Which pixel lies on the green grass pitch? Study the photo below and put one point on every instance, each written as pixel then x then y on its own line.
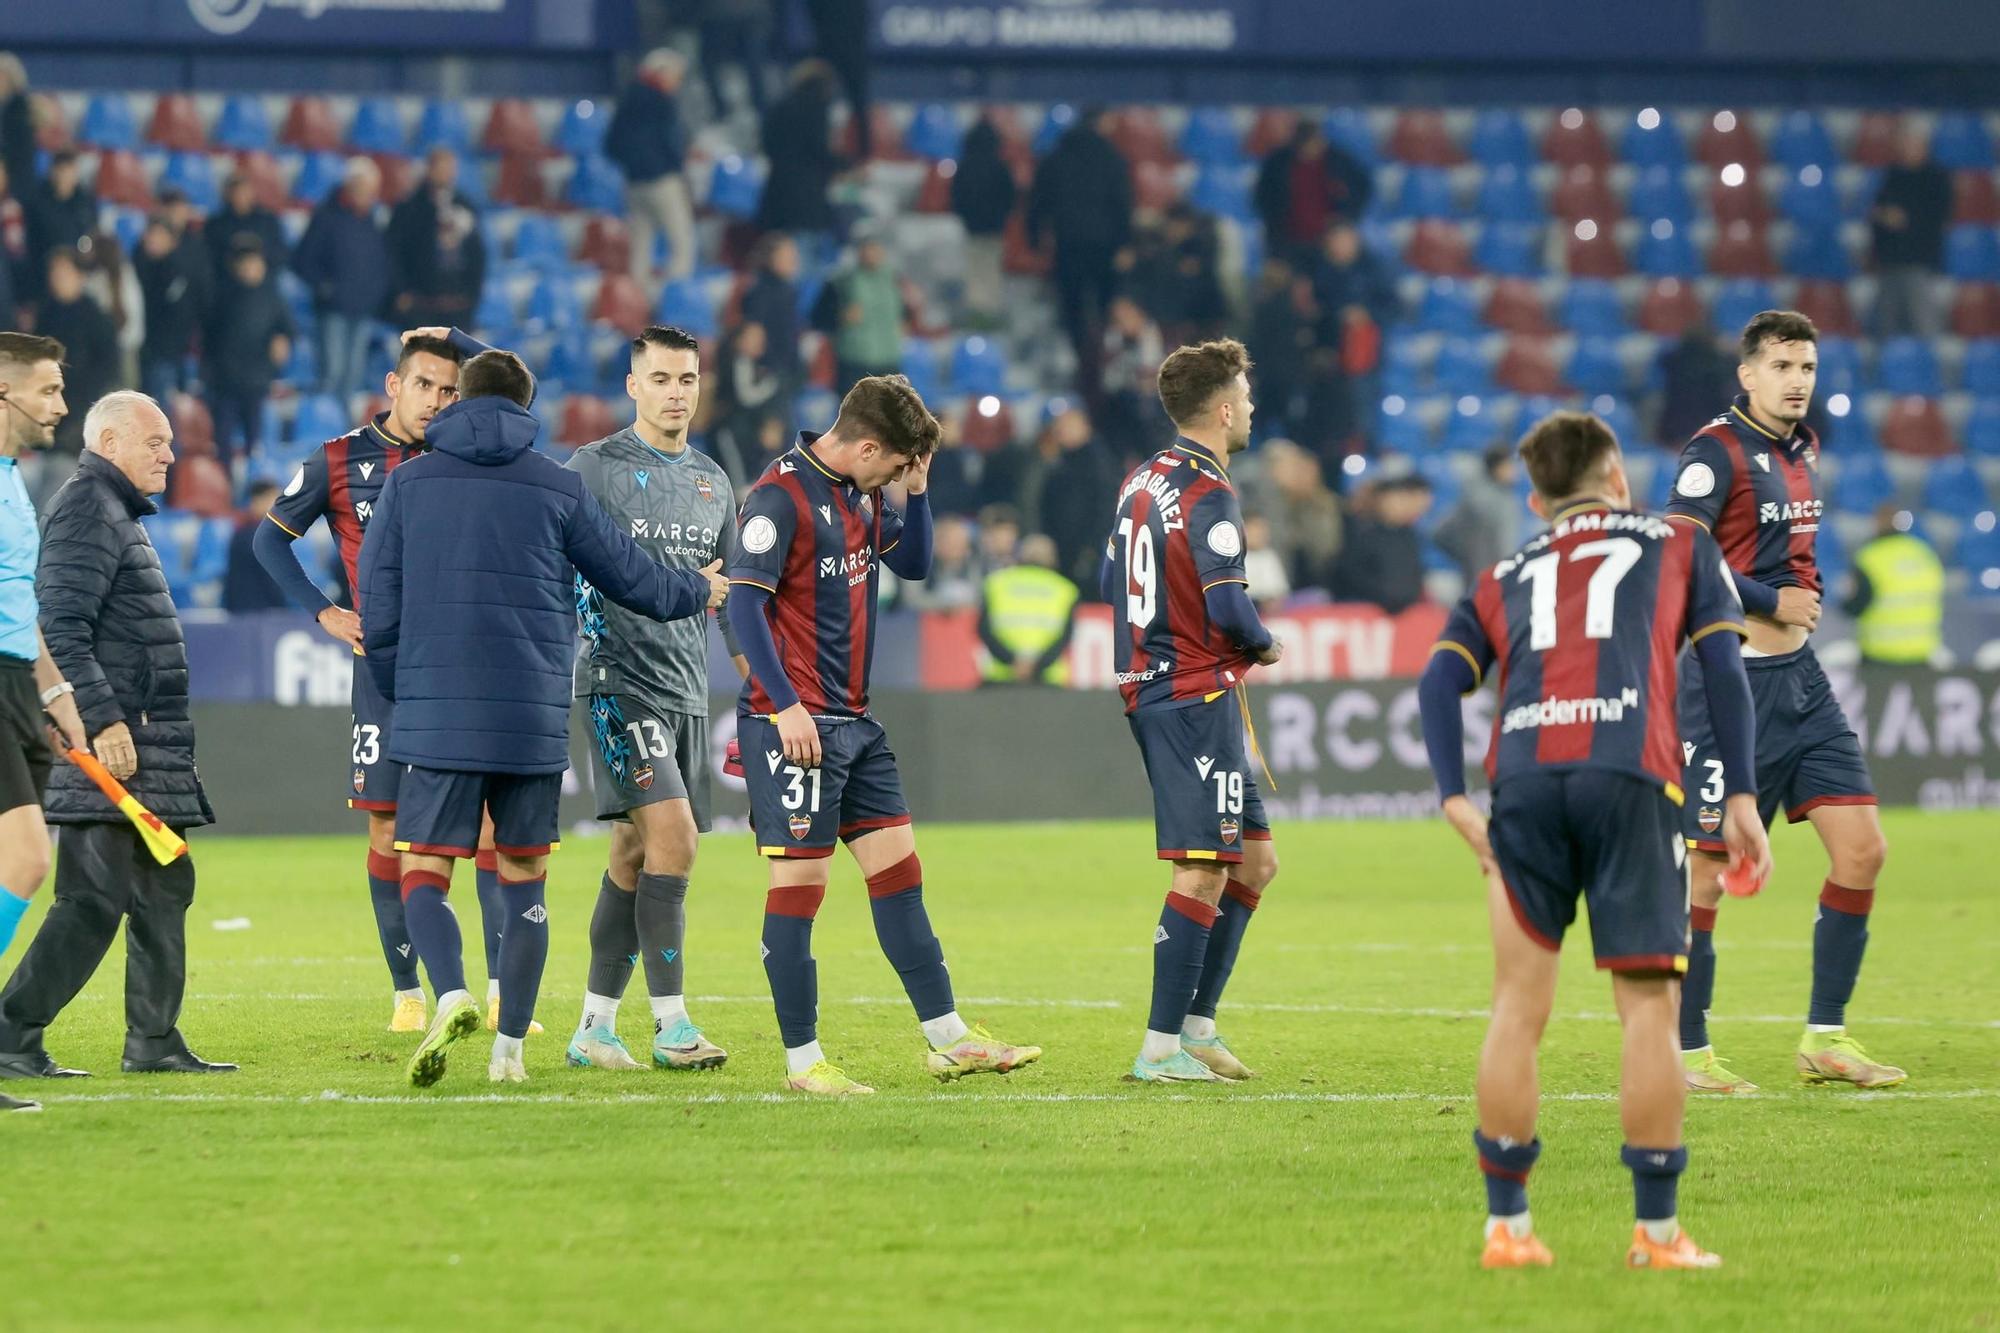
pixel 315 1190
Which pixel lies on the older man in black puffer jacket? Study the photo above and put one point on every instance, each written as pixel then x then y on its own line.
pixel 110 623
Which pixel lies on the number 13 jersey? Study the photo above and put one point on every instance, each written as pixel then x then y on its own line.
pixel 1179 533
pixel 1586 624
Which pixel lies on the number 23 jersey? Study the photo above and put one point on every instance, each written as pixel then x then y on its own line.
pixel 1586 624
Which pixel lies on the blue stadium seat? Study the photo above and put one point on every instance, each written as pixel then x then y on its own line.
pixel 377 127
pixel 581 131
pixel 1624 422
pixel 1666 250
pixel 1979 554
pixel 1470 433
pixel 1659 193
pixel 1802 140
pixel 244 125
pixel 472 184
pixel 303 366
pixel 1863 483
pixel 978 366
pixel 597 185
pixel 1437 469
pixel 1660 146
pixel 1225 192
pixel 173 533
pixel 107 122
pixel 1839 367
pixel 1851 435
pixel 1982 428
pixel 1981 372
pixel 1211 136
pixel 920 367
pixel 1596 368
pixel 1815 205
pixel 1953 486
pixel 1739 299
pixel 1348 127
pixel 319 175
pixel 1909 366
pixel 1055 124
pixel 538 240
pixel 1508 195
pixel 320 417
pixel 442 125
pixel 553 305
pixel 1425 193
pixel 493 320
pixel 1463 368
pixel 1817 252
pixel 1403 433
pixel 1589 307
pixel 211 559
pixel 194 174
pixel 685 303
pixel 934 132
pixel 1972 254
pixel 1448 307
pixel 570 366
pixel 1500 138
pixel 1404 366
pixel 128 224
pixel 1959 142
pixel 1509 249
pixel 735 187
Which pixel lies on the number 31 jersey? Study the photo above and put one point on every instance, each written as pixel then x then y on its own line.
pixel 1179 533
pixel 1586 624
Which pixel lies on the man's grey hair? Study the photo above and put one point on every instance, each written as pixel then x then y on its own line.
pixel 112 411
pixel 664 60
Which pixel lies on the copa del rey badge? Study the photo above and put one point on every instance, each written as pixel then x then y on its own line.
pixel 801 825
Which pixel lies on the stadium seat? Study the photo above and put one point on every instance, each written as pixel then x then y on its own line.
pixel 1624 422
pixel 979 366
pixel 493 319
pixel 442 125
pixel 1055 123
pixel 1349 128
pixel 1016 255
pixel 175 124
pixel 1727 137
pixel 1590 308
pixel 1659 193
pixel 193 173
pixel 607 243
pixel 1654 143
pixel 1515 306
pixel 1439 247
pixel 1666 250
pixel 309 126
pixel 377 127
pixel 1573 139
pixel 521 183
pixel 320 417
pixel 1403 433
pixel 581 130
pixel 1272 126
pixel 686 304
pixel 1225 192
pixel 1975 200
pixel 1737 300
pixel 596 184
pixel 1818 253
pixel 987 424
pixel 511 128
pixel 1464 433
pixel 1404 369
pixel 621 304
pixel 1979 555
pixel 1909 366
pixel 1980 373
pixel 1740 252
pixel 128 225
pixel 1839 366
pixel 1507 194
pixel 107 122
pixel 303 366
pixel 1669 307
pixel 552 305
pixel 1595 367
pixel 1499 138
pixel 1917 426
pixel 570 365
pixel 1509 249
pixel 1528 366
pixel 934 132
pixel 1421 138
pixel 1425 193
pixel 1583 192
pixel 585 417
pixel 121 180
pixel 194 427
pixel 1975 310
pixel 735 186
pixel 1810 198
pixel 920 367
pixel 1959 142
pixel 1742 202
pixel 1971 254
pixel 1462 367
pixel 538 241
pixel 1954 487
pixel 885 136
pixel 1982 428
pixel 319 175
pixel 1801 140
pixel 1593 254
pixel 1862 483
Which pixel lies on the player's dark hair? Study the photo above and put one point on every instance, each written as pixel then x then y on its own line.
pixel 664 336
pixel 497 374
pixel 1776 326
pixel 29 349
pixel 888 410
pixel 1564 451
pixel 1192 376
pixel 438 347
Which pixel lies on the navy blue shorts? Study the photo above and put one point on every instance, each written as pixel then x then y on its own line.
pixel 1807 755
pixel 1205 802
pixel 376 777
pixel 803 812
pixel 439 812
pixel 1612 839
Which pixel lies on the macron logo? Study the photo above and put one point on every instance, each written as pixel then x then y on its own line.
pixel 1764 461
pixel 1203 764
pixel 826 513
pixel 366 469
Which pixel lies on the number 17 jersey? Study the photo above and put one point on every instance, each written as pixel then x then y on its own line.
pixel 1586 623
pixel 1179 533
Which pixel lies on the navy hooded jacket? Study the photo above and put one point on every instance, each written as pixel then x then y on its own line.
pixel 468 580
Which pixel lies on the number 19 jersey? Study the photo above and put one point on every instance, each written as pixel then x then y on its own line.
pixel 1179 533
pixel 1586 624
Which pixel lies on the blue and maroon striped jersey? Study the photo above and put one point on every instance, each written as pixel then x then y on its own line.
pixel 809 536
pixel 1179 533
pixel 1758 496
pixel 342 480
pixel 1586 622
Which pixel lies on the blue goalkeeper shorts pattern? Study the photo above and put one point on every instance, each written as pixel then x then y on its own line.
pixel 439 812
pixel 1206 804
pixel 374 778
pixel 804 812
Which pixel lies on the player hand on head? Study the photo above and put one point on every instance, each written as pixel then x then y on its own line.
pixel 1797 606
pixel 718 586
pixel 342 624
pixel 1465 819
pixel 1269 655
pixel 438 331
pixel 1749 847
pixel 916 477
pixel 116 751
pixel 799 734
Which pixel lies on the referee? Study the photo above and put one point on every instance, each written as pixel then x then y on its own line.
pixel 31 387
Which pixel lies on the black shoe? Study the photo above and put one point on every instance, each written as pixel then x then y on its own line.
pixel 17 1104
pixel 35 1064
pixel 180 1062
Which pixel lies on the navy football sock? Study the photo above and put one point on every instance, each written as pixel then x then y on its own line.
pixel 1225 937
pixel 492 908
pixel 788 960
pixel 1656 1178
pixel 434 930
pixel 896 897
pixel 1698 986
pixel 662 925
pixel 1179 946
pixel 1505 1166
pixel 524 949
pixel 385 891
pixel 1840 937
pixel 614 940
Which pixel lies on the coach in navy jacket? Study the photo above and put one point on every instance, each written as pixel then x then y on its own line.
pixel 467 577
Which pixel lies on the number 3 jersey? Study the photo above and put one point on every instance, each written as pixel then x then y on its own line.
pixel 1586 624
pixel 1179 533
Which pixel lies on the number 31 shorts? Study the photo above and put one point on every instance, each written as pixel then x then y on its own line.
pixel 803 812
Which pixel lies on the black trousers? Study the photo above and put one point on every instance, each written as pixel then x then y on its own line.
pixel 104 874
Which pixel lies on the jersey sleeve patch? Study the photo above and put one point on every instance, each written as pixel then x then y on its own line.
pixel 1226 540
pixel 1696 481
pixel 760 534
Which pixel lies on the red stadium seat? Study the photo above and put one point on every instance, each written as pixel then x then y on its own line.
pixel 1515 306
pixel 176 125
pixel 309 125
pixel 1584 193
pixel 585 417
pixel 122 181
pixel 1974 198
pixel 1138 135
pixel 194 428
pixel 1421 138
pixel 1917 426
pixel 52 133
pixel 1975 311
pixel 1824 302
pixel 1729 137
pixel 1574 140
pixel 1669 307
pixel 1741 252
pixel 821 361
pixel 521 183
pixel 267 179
pixel 1016 255
pixel 1527 367
pixel 199 485
pixel 1595 255
pixel 511 128
pixel 607 243
pixel 986 433
pixel 1439 247
pixel 1877 139
pixel 622 304
pixel 885 136
pixel 1742 202
pixel 1155 187
pixel 934 195
pixel 1272 127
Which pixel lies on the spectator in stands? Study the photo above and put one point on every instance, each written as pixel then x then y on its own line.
pixel 1027 613
pixel 1283 482
pixel 70 315
pixel 841 30
pixel 436 250
pixel 1897 600
pixel 1000 537
pixel 1174 271
pixel 1357 300
pixel 1484 527
pixel 10 210
pixel 983 194
pixel 956 471
pixel 953 583
pixel 648 139
pixel 798 141
pixel 750 390
pixel 242 215
pixel 1283 328
pixel 1912 208
pixel 772 300
pixel 1079 486
pixel 1382 559
pixel 246 584
pixel 174 284
pixel 1696 373
pixel 1129 416
pixel 1082 200
pixel 1263 566
pixel 736 32
pixel 865 301
pixel 17 120
pixel 189 229
pixel 344 261
pixel 249 338
pixel 61 213
pixel 1303 185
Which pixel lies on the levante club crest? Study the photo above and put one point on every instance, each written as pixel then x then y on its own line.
pixel 1709 818
pixel 642 777
pixel 801 825
pixel 360 781
pixel 1230 828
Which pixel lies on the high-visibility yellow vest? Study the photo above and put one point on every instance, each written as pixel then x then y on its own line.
pixel 1028 607
pixel 1904 621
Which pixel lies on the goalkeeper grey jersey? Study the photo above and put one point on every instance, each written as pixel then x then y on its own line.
pixel 679 507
